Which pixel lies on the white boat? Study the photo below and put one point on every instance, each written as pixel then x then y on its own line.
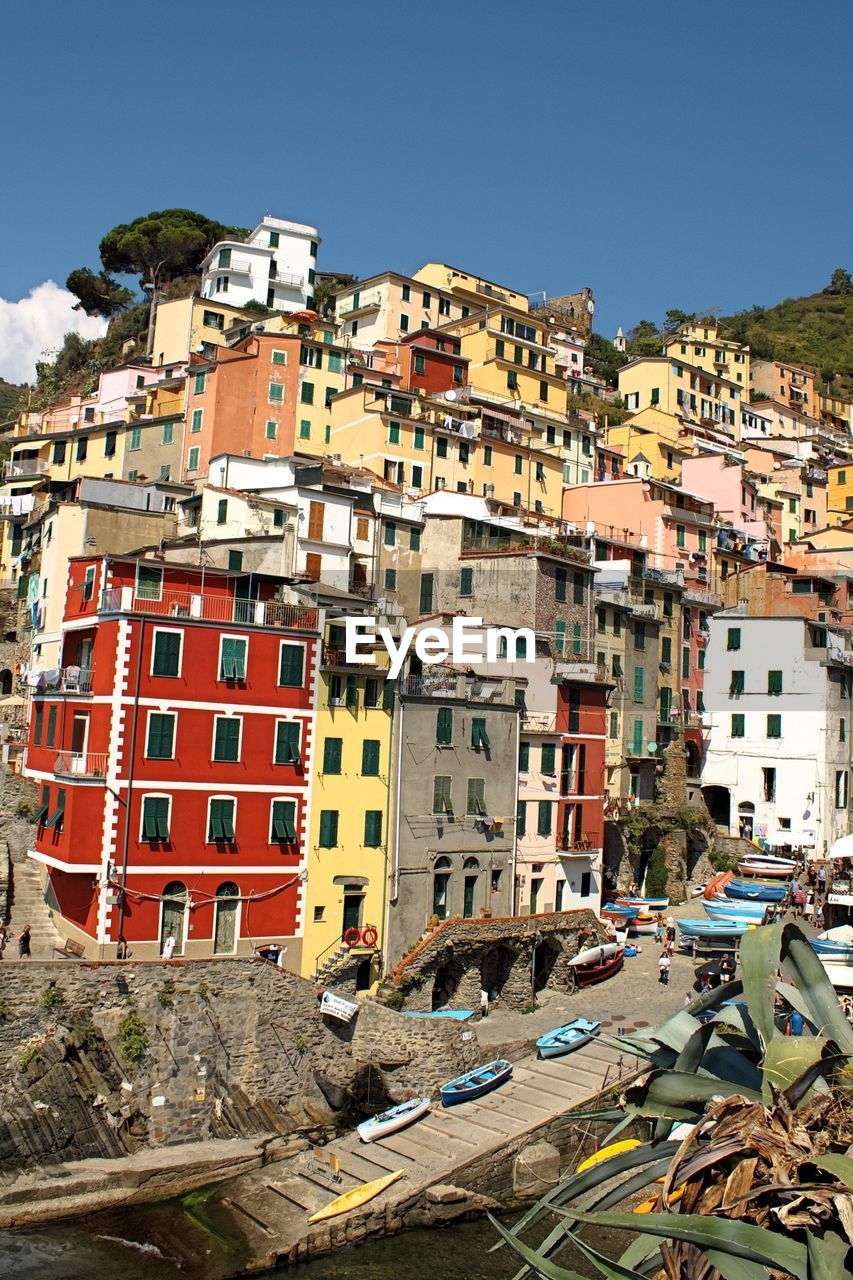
pixel 395 1118
pixel 769 860
pixel 594 955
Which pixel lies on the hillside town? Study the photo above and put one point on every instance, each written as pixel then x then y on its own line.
pixel 214 770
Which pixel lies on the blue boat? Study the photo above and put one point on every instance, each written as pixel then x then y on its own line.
pixel 740 889
pixel 712 928
pixel 623 909
pixel 564 1039
pixel 725 910
pixel 455 1015
pixel 475 1083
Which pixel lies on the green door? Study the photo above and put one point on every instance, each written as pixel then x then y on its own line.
pixel 426 593
pixel 441 881
pixel 352 911
pixel 468 898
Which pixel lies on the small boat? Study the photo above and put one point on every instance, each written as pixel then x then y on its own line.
pixel 607 1153
pixel 766 872
pixel 564 1039
pixel 717 884
pixel 730 909
pixel 595 955
pixel 643 926
pixel 770 859
pixel 358 1196
pixel 738 889
pixel 623 909
pixel 835 946
pixel 645 904
pixel 393 1119
pixel 475 1083
pixel 712 928
pixel 586 975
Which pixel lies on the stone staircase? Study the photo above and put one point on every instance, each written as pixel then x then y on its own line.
pixel 29 907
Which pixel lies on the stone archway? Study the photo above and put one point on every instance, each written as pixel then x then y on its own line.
pixel 5 682
pixel 545 958
pixel 719 804
pixel 446 983
pixel 495 968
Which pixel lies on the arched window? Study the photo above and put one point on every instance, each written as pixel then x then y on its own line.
pixel 471 864
pixel 226 922
pixel 441 888
pixel 173 914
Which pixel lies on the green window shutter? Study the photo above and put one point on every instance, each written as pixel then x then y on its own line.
pixel 393 433
pixel 419 437
pixel 226 744
pixel 737 682
pixel 155 818
pixel 666 649
pixel 549 757
pixel 370 758
pixel 51 726
pixel 685 664
pixel 332 750
pixel 774 726
pixel 38 719
pixel 637 742
pixel 476 806
pixel 388 695
pixel 232 662
pixel 479 733
pixel 543 826
pixel 466 582
pixel 578 588
pixel 56 818
pixel 198 385
pixel 441 800
pixel 639 682
pixel 287 739
pixel 44 808
pixel 444 727
pixel 328 828
pixel 414 539
pixel 307 393
pixel 576 639
pixel 524 757
pixel 733 639
pixel 167 653
pixel 373 828
pixel 284 820
pixel 521 818
pixel 561 579
pixel 774 681
pixel 222 511
pixel 351 695
pixel 560 631
pixel 738 723
pixel 161 731
pixel 221 824
pixel 291 665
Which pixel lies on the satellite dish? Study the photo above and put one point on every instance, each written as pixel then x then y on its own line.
pixel 450 395
pixel 652 747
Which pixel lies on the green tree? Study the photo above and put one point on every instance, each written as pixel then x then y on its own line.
pixel 97 294
pixel 644 339
pixel 603 358
pixel 675 319
pixel 840 282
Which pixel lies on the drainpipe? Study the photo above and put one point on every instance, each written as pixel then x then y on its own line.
pixel 514 864
pixel 126 838
pixel 384 936
pixel 395 888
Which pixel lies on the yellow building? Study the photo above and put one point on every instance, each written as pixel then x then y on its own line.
pixel 699 344
pixel 839 499
pixel 183 324
pixel 652 444
pixel 835 411
pixel 347 864
pixel 472 290
pixel 675 386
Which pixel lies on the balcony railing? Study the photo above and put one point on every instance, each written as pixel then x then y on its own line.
pixel 364 302
pixel 25 467
pixel 582 845
pixel 454 685
pixel 381 659
pixel 81 764
pixel 208 608
pixel 547 546
pixel 239 266
pixel 287 278
pixel 538 722
pixel 62 680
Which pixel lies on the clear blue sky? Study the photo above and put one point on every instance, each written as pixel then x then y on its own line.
pixel 666 154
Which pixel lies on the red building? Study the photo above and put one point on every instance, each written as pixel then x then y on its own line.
pixel 173 751
pixel 582 723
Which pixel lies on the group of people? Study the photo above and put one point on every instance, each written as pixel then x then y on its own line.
pixel 665 933
pixel 24 940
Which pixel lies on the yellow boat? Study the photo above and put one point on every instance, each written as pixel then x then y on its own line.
pixel 358 1196
pixel 615 1149
pixel 648 1205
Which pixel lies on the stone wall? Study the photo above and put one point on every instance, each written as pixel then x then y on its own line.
pixel 512 956
pixel 235 1048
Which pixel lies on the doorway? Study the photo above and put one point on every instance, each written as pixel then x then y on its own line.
pixel 174 914
pixel 226 919
pixel 471 867
pixel 441 888
pixel 79 740
pixel 353 904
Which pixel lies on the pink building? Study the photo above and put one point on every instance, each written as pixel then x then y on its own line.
pixel 733 493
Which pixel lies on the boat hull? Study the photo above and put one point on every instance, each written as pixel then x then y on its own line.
pixel 474 1084
pixel 593 955
pixel 589 975
pixel 738 891
pixel 395 1118
pixel 358 1196
pixel 563 1040
pixel 765 873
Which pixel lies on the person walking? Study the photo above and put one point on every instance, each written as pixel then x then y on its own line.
pixel 663 969
pixel 123 951
pixel 799 899
pixel 168 945
pixel 24 943
pixel 659 927
pixel 670 932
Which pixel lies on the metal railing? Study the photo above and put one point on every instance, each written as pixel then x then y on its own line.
pixel 453 685
pixel 337 950
pixel 209 608
pixel 62 680
pixel 287 278
pixel 548 546
pixel 26 467
pixel 381 659
pixel 539 722
pixel 81 764
pixel 568 844
pixel 241 266
pixel 362 303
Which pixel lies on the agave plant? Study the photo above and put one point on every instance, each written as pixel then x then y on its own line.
pixel 748 1172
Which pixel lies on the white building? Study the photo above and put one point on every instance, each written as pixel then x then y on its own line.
pixel 275 267
pixel 778 712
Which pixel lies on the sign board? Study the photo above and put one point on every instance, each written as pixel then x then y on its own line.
pixel 335 1007
pixel 840 899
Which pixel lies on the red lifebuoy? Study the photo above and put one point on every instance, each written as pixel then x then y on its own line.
pixel 352 937
pixel 369 936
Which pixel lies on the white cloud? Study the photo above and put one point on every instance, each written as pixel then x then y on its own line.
pixel 36 324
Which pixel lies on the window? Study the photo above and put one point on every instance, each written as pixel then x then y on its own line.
pixel 733 639
pixel 560 637
pixel 680 535
pixel 841 783
pixel 235 561
pixel 543 391
pixel 404 323
pixel 736 684
pixel 639 682
pixel 50 740
pixel 373 828
pixel 276 393
pixel 521 818
pixel 441 798
pixel 774 681
pixel 544 822
pixel 842 730
pixel 427 298
pixel 220 819
pixel 639 635
pixel 549 758
pixel 420 364
pixel 271 429
pixel 226 738
pixel 287 742
pixel 199 383
pixel 414 539
pixel 419 437
pixel 135 438
pixel 479 733
pixel 524 757
pixel 614 724
pixel 426 593
pixel 390 534
pixel 466 582
pixel 774 726
pixel 444 727
pixel 769 781
pixel 38 718
pixel 370 758
pixel 390 579
pixel 88 580
pixel 59 450
pixel 578 582
pixel 222 511
pixel 291 664
pixel 561 578
pixel 665 649
pixel 166 653
pixel 282 822
pixel 516 498
pixel 306 393
pixel 155 818
pixel 685 663
pixel 393 433
pixel 540 472
pixel 406 292
pixel 328 828
pixel 195 422
pixel 476 800
pixel 738 723
pixel 519 464
pixel 160 740
pixel 192 458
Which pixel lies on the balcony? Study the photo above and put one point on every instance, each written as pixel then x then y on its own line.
pixel 25 468
pixel 538 722
pixel 522 545
pixel 337 658
pixel 208 608
pixel 651 611
pixel 81 764
pixel 237 266
pixel 287 279
pixel 450 684
pixel 71 680
pixel 582 847
pixel 359 303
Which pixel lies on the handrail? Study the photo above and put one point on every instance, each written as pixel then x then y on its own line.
pixel 338 943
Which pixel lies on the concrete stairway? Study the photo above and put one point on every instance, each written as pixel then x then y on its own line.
pixel 273 1204
pixel 29 907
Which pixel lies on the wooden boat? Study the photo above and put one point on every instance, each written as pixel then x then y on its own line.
pixel 358 1196
pixel 712 928
pixel 643 926
pixel 586 975
pixel 835 946
pixel 717 883
pixel 564 1039
pixel 393 1119
pixel 475 1083
pixel 739 890
pixel 732 909
pixel 594 955
pixel 623 909
pixel 768 872
pixel 645 904
pixel 606 1153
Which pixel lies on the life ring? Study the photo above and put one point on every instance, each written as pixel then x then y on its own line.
pixel 352 937
pixel 369 936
